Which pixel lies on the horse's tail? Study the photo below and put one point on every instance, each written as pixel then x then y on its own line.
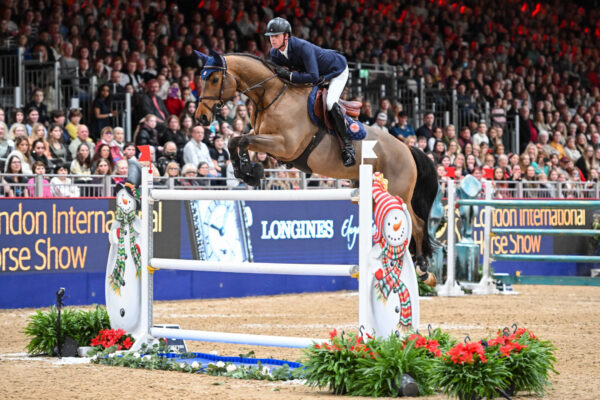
pixel 426 189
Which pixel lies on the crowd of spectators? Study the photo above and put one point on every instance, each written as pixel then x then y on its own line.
pixel 536 60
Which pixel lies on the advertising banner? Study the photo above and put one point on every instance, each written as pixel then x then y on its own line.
pixel 46 244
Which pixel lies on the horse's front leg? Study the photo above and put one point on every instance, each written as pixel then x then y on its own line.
pixel 234 155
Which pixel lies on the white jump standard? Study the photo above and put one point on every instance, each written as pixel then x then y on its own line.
pixel 146 333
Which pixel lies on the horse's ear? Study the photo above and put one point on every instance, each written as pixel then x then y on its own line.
pixel 202 56
pixel 219 59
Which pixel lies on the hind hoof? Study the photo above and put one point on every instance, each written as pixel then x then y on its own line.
pixel 427 277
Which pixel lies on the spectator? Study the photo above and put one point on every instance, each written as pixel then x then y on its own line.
pixel 120 171
pixel 189 174
pixel 571 150
pixel 16 181
pixel 172 170
pixel 102 153
pixel 6 145
pixel 74 120
pixel 39 168
pixel 129 151
pixel 169 155
pixel 62 185
pixel 366 113
pixel 173 103
pixel 381 122
pixel 556 143
pixel 402 129
pixel 33 116
pixel 81 164
pixel 22 151
pixel 38 153
pixel 196 151
pixel 427 128
pixel 204 172
pixel 172 133
pixel 103 111
pixel 81 138
pixel 220 158
pixel 17 117
pixel 152 104
pixel 57 117
pixel 146 133
pixel 119 138
pixel 37 103
pixel 527 130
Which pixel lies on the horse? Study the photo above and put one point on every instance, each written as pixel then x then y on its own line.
pixel 282 128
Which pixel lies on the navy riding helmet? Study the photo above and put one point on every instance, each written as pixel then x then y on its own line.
pixel 278 25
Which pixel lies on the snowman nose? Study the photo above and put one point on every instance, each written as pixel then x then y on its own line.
pixel 125 201
pixel 397 226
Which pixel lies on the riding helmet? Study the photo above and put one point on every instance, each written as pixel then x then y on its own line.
pixel 278 25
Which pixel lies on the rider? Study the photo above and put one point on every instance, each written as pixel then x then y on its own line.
pixel 312 64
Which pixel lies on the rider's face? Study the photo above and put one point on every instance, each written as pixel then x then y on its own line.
pixel 277 40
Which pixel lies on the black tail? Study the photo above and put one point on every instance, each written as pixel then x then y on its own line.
pixel 425 191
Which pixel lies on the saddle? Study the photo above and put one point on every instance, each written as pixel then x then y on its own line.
pixel 350 108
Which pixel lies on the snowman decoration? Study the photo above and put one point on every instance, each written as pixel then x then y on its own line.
pixel 394 287
pixel 124 267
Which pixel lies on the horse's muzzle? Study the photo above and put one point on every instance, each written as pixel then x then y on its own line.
pixel 204 121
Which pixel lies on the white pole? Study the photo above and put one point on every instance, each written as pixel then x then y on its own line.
pixel 365 224
pixel 146 306
pixel 450 288
pixel 239 338
pixel 253 195
pixel 253 267
pixel 486 285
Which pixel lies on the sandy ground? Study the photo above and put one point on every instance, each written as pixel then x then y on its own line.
pixel 569 316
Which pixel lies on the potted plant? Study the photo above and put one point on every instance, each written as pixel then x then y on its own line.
pixel 82 326
pixel 470 371
pixel 529 360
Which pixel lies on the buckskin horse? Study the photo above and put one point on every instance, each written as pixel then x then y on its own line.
pixel 283 129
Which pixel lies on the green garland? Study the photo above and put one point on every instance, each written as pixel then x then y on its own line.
pixel 116 277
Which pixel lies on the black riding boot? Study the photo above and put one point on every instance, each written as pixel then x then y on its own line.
pixel 348 157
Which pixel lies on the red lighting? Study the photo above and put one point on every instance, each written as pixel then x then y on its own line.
pixel 524 7
pixel 462 9
pixel 402 16
pixel 537 9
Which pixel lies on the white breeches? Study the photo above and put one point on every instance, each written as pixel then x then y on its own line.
pixel 336 87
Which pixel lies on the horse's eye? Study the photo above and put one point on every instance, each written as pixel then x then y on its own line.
pixel 215 80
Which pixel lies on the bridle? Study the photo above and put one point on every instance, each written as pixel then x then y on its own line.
pixel 220 101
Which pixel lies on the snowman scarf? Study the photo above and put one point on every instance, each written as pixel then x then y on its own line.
pixel 388 280
pixel 116 278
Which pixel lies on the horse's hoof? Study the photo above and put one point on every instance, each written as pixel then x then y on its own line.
pixel 258 171
pixel 427 277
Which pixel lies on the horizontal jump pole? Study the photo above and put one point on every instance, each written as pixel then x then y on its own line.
pixel 547 257
pixel 254 195
pixel 237 338
pixel 531 203
pixel 548 232
pixel 254 268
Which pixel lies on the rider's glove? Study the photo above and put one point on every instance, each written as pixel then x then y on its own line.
pixel 283 73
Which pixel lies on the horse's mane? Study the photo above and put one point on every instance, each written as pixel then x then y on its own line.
pixel 267 63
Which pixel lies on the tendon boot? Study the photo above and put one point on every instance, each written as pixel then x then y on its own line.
pixel 339 121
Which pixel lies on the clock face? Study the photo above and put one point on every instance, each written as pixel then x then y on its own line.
pixel 223 236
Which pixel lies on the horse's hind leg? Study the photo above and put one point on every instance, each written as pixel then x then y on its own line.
pixel 418 232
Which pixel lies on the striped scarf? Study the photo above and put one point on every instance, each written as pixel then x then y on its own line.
pixel 116 277
pixel 390 281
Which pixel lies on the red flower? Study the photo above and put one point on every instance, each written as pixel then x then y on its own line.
pixel 332 334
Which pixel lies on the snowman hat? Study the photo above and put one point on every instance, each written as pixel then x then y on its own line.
pixel 384 203
pixel 129 188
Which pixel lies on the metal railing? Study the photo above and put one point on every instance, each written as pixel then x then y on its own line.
pixel 278 179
